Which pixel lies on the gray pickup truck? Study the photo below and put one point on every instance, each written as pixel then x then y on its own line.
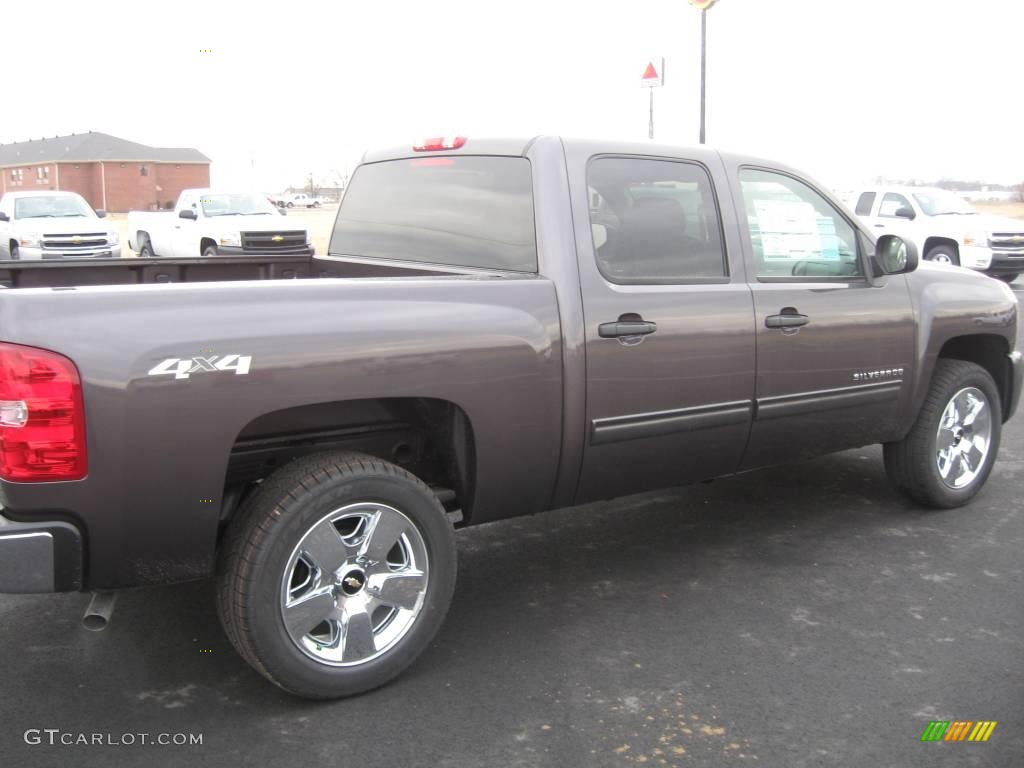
pixel 499 328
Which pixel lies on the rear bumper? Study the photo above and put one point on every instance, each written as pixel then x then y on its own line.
pixel 39 557
pixel 1016 378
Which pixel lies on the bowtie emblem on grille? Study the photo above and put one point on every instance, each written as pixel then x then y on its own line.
pixel 277 238
pixel 76 239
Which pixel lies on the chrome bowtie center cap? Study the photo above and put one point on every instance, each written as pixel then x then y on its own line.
pixel 352 582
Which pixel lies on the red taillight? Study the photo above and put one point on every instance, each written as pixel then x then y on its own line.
pixel 439 143
pixel 42 418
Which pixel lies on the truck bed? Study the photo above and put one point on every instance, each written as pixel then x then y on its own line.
pixel 128 270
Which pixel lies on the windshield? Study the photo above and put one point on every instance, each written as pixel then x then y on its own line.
pixel 939 202
pixel 237 204
pixel 51 206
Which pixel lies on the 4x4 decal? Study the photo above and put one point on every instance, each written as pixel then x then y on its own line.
pixel 182 368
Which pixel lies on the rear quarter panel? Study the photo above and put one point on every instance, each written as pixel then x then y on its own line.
pixel 159 446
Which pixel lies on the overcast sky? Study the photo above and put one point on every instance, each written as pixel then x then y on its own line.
pixel 845 89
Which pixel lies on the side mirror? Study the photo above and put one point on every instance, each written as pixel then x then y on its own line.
pixel 895 256
pixel 4 216
pixel 905 213
pixel 101 213
pixel 187 213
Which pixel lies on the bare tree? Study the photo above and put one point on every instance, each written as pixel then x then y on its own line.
pixel 1020 192
pixel 312 186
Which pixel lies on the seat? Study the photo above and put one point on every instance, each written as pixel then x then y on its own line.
pixel 655 245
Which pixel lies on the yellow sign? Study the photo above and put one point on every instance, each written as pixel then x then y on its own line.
pixel 702 4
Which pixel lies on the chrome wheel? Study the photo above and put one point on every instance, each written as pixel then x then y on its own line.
pixel 355 584
pixel 963 438
pixel 942 258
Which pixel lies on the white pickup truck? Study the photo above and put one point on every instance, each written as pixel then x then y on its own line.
pixel 301 200
pixel 54 225
pixel 945 228
pixel 208 222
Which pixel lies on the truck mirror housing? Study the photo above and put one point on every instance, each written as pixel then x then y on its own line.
pixel 187 213
pixel 101 213
pixel 4 216
pixel 895 256
pixel 906 213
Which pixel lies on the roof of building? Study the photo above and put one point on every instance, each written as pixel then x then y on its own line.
pixel 91 147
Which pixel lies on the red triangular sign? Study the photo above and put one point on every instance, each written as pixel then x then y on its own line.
pixel 650 73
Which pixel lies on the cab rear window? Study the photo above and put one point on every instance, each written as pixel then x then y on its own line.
pixel 466 211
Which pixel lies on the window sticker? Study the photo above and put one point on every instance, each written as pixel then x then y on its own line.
pixel 792 230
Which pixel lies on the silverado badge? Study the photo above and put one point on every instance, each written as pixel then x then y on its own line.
pixel 883 373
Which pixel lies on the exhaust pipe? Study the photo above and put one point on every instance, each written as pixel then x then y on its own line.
pixel 97 615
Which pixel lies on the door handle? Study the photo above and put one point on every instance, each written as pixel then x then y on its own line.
pixel 788 318
pixel 625 328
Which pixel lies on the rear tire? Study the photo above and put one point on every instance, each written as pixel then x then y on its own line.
pixel 210 251
pixel 947 456
pixel 15 252
pixel 309 542
pixel 943 254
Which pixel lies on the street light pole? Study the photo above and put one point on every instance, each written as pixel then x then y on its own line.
pixel 703 6
pixel 703 68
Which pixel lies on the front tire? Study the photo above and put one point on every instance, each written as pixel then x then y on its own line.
pixel 15 252
pixel 145 248
pixel 943 254
pixel 209 251
pixel 336 574
pixel 947 456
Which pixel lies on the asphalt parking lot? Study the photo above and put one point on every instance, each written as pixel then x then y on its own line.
pixel 799 616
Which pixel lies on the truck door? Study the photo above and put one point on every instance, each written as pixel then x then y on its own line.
pixel 835 348
pixel 887 222
pixel 6 227
pixel 669 336
pixel 184 232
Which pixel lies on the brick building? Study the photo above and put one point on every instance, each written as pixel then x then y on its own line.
pixel 111 173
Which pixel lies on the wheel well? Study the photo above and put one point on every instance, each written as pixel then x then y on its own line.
pixel 988 351
pixel 205 243
pixel 431 438
pixel 931 242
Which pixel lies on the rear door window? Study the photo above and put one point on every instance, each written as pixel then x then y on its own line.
pixel 465 211
pixel 654 221
pixel 864 203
